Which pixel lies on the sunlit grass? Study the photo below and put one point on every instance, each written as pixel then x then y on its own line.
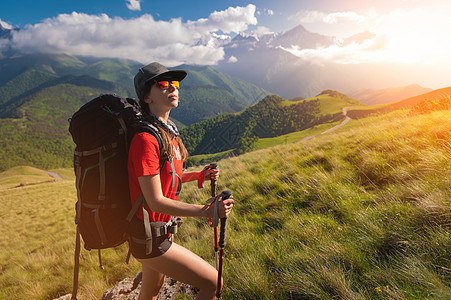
pixel 362 213
pixel 293 137
pixel 38 242
pixel 22 176
pixel 350 215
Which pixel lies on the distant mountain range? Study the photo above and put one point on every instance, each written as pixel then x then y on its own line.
pixel 270 61
pixel 206 92
pixel 40 92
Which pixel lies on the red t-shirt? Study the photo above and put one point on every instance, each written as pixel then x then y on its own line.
pixel 143 160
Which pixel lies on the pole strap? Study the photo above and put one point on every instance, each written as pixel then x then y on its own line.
pixel 215 221
pixel 201 178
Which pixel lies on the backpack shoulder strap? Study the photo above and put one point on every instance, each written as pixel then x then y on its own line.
pixel 155 131
pixel 152 129
pixel 145 126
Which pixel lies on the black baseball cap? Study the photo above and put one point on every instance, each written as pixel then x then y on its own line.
pixel 153 71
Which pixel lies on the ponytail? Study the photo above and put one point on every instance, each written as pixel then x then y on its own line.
pixel 168 150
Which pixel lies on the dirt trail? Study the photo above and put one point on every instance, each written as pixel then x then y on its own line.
pixel 346 120
pixel 54 175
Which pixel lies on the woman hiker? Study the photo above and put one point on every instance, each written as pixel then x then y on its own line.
pixel 157 90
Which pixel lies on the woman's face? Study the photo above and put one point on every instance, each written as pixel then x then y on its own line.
pixel 161 97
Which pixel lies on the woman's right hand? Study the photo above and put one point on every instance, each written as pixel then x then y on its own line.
pixel 224 207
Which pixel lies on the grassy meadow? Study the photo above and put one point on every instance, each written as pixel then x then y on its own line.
pixel 360 213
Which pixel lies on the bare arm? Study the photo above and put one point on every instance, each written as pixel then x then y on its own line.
pixel 151 188
pixel 191 176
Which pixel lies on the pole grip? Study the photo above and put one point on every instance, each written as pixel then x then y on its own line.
pixel 224 195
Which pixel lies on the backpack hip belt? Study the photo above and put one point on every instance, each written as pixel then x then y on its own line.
pixel 159 230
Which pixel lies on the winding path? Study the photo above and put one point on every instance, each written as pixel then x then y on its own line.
pixel 346 120
pixel 54 175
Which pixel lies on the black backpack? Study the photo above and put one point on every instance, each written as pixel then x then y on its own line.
pixel 102 130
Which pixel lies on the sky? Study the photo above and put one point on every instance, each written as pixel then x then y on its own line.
pixel 411 32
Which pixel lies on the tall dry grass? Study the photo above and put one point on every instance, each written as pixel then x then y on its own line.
pixel 363 213
pixel 37 246
pixel 360 214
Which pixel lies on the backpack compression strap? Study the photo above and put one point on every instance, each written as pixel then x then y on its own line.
pixel 78 170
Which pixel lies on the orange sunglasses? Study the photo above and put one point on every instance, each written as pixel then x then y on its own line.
pixel 164 84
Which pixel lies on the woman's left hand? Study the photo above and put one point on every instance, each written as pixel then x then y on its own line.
pixel 212 174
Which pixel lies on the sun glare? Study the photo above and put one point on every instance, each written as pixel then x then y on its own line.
pixel 416 36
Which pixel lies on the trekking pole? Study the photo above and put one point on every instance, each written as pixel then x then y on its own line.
pixel 213 166
pixel 224 195
pixel 215 228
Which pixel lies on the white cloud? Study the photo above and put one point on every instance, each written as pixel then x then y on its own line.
pixel 314 16
pixel 233 19
pixel 262 30
pixel 266 11
pixel 138 39
pixel 342 24
pixel 337 17
pixel 369 51
pixel 232 59
pixel 5 25
pixel 133 4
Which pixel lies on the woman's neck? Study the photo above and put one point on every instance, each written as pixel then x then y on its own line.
pixel 162 115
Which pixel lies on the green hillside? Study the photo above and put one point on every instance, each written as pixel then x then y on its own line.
pixel 22 84
pixel 331 102
pixel 201 103
pixel 25 75
pixel 36 105
pixel 23 176
pixel 40 137
pixel 363 213
pixel 271 117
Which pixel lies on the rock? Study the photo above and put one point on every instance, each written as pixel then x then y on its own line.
pixel 128 289
pixel 65 297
